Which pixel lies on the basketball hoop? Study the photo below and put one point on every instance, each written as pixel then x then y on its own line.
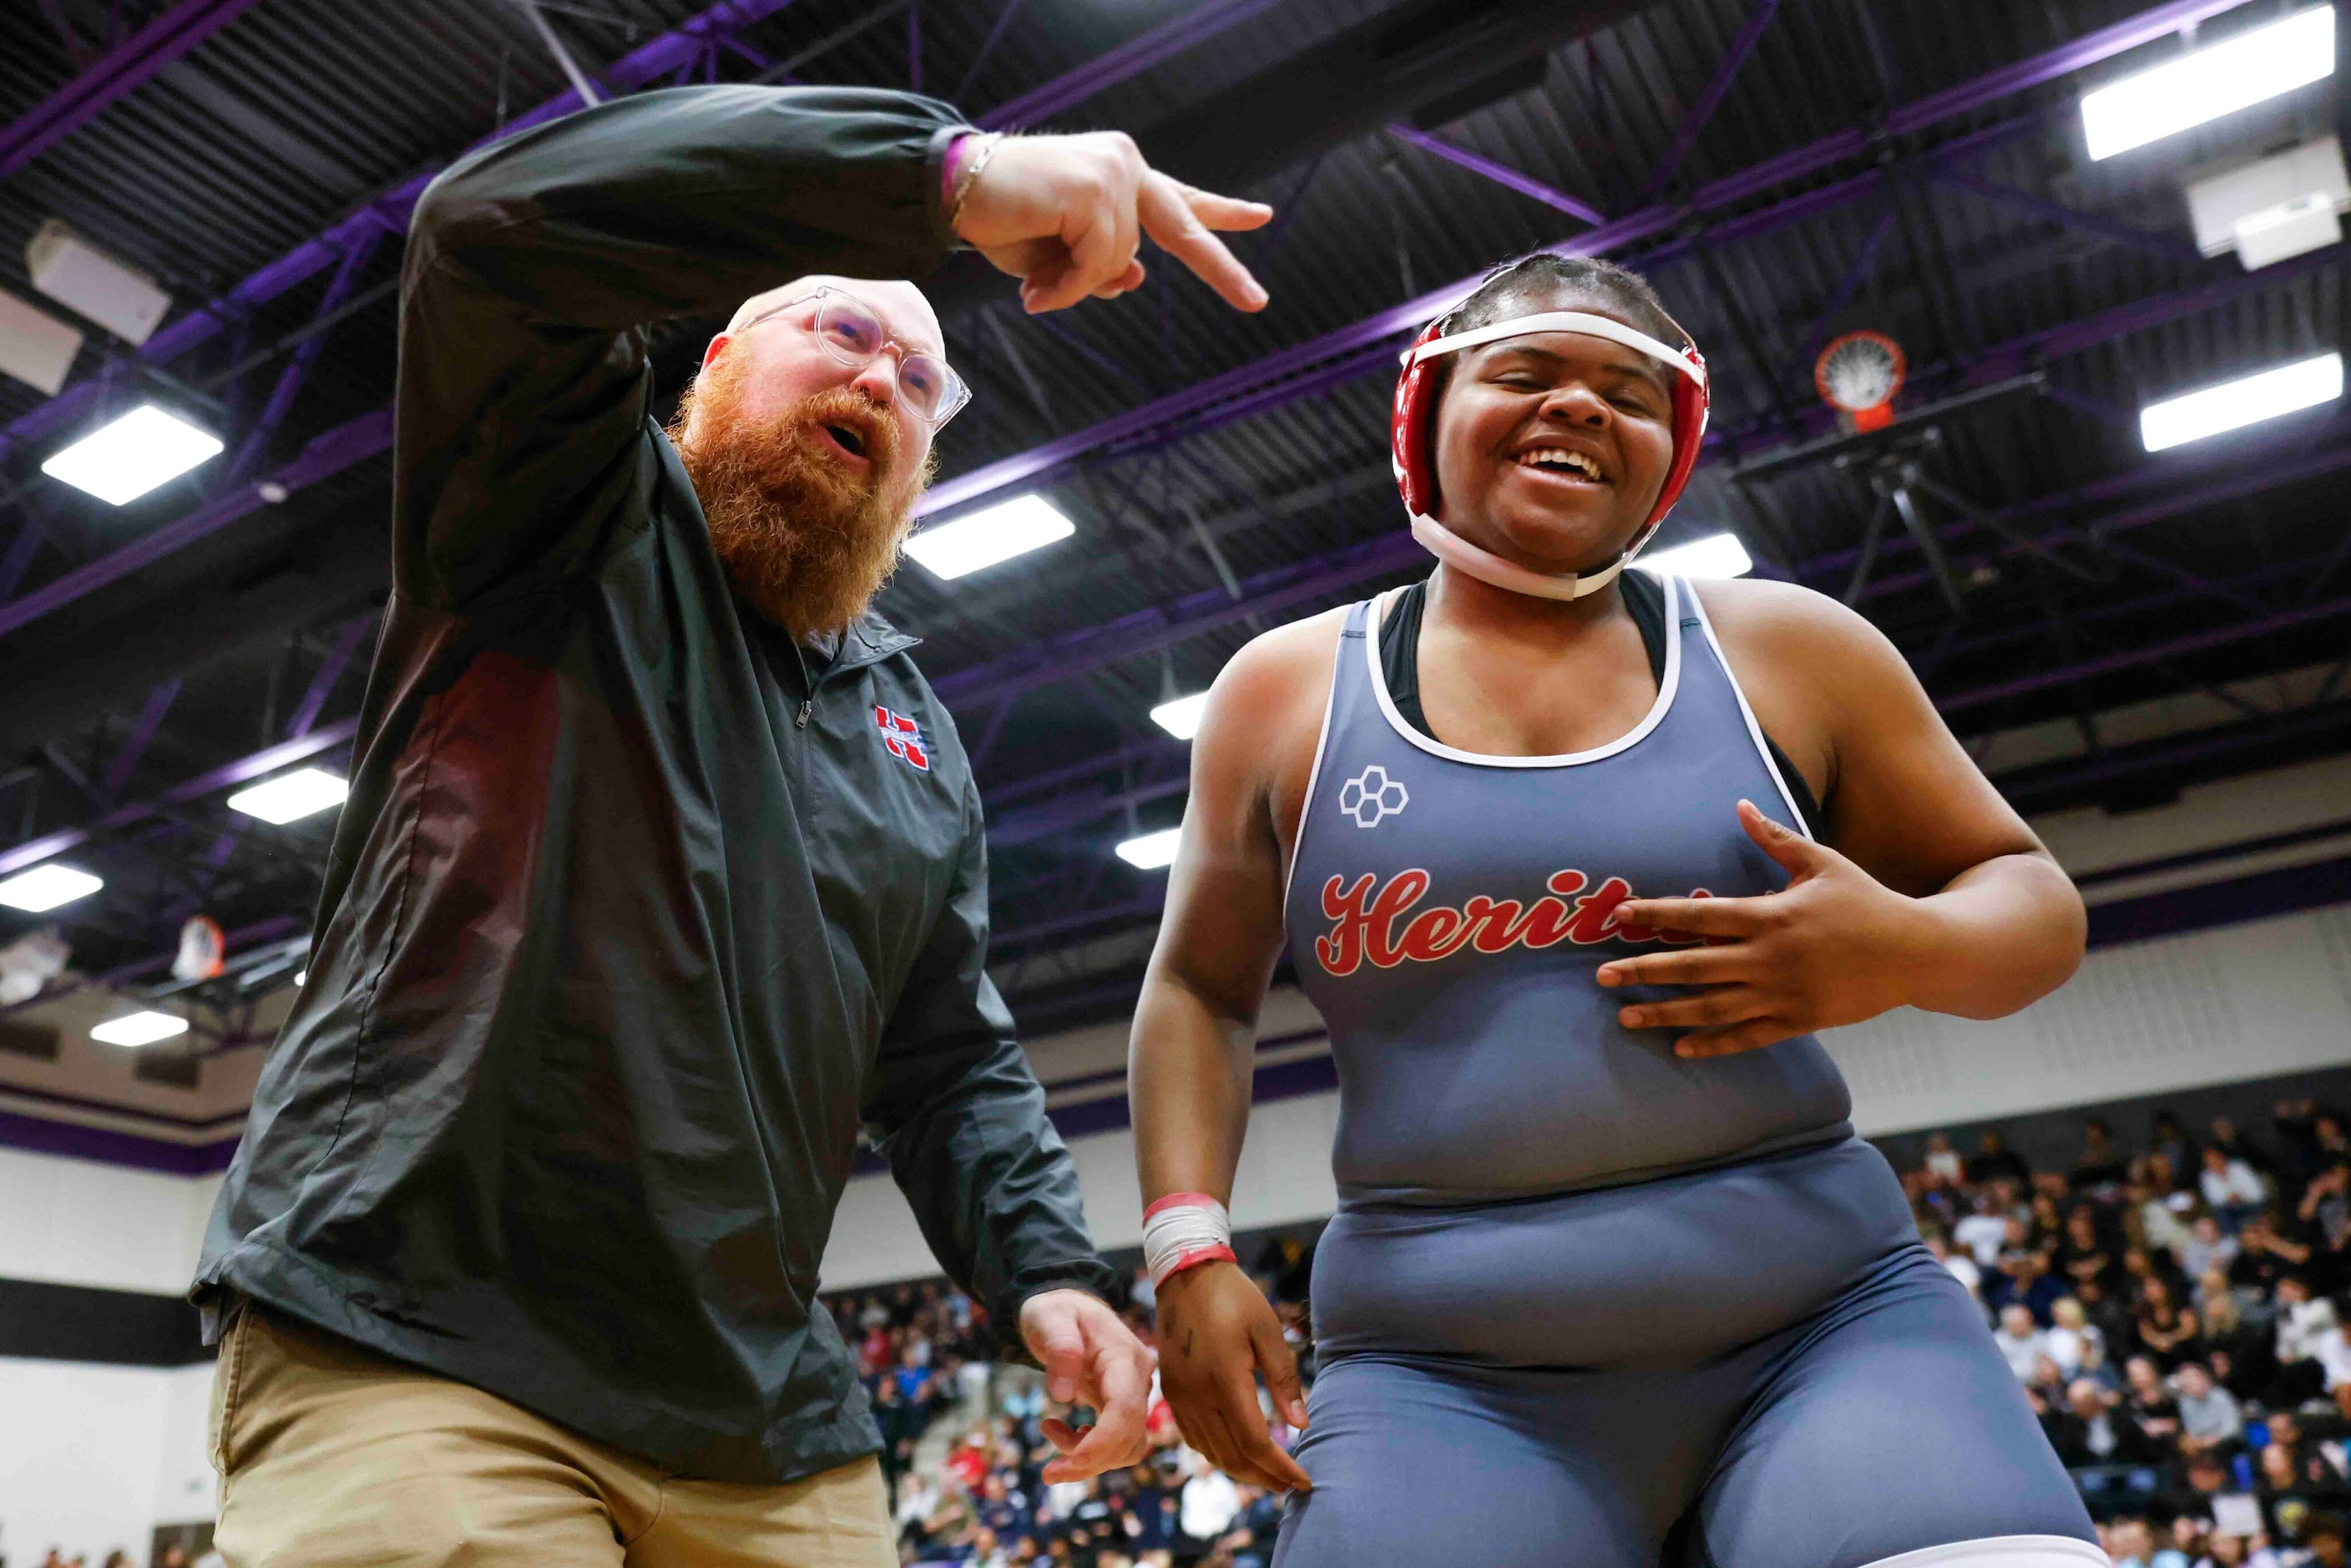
pixel 203 949
pixel 1859 375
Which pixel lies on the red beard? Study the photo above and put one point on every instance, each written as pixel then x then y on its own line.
pixel 805 542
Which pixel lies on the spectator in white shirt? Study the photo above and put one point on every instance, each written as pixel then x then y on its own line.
pixel 1962 1265
pixel 2205 1249
pixel 2021 1341
pixel 2208 1413
pixel 1982 1232
pixel 2233 1189
pixel 1210 1500
pixel 1944 1167
pixel 2074 1342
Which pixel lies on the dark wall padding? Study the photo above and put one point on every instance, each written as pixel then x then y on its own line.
pixel 42 1322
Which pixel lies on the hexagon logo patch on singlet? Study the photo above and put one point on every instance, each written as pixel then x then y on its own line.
pixel 1371 797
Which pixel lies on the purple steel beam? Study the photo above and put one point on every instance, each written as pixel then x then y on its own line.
pixel 1165 623
pixel 267 760
pixel 1056 817
pixel 361 438
pixel 387 212
pixel 1145 631
pixel 2014 356
pixel 1161 625
pixel 1718 87
pixel 342 447
pixel 2171 248
pixel 1149 903
pixel 256 445
pixel 1501 173
pixel 1131 58
pixel 2239 478
pixel 2007 359
pixel 2132 658
pixel 306 715
pixel 150 719
pixel 21 551
pixel 113 77
pixel 1309 376
pixel 1052 778
pixel 1816 337
pixel 1802 163
pixel 1008 10
pixel 2296 463
pixel 329 672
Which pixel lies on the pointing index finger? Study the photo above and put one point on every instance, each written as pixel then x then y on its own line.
pixel 1170 217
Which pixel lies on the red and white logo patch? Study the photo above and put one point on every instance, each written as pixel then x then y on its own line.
pixel 904 737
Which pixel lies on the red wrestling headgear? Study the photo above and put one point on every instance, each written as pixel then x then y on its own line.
pixel 1413 428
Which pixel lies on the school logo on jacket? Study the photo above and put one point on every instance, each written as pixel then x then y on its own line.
pixel 904 737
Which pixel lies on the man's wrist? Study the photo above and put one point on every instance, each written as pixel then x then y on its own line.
pixel 959 168
pixel 958 153
pixel 940 165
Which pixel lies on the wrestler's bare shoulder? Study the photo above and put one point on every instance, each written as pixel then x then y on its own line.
pixel 1279 672
pixel 1264 711
pixel 1787 625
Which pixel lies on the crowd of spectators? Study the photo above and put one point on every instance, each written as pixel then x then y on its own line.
pixel 982 1502
pixel 2174 1312
pixel 56 1557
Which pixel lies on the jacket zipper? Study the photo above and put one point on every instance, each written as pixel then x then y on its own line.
pixel 808 686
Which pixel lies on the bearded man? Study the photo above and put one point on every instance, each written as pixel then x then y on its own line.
pixel 662 871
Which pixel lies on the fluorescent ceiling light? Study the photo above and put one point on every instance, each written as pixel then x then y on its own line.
pixel 139 1029
pixel 2232 405
pixel 1181 718
pixel 46 886
pixel 2206 84
pixel 1152 850
pixel 126 459
pixel 291 797
pixel 1717 555
pixel 983 538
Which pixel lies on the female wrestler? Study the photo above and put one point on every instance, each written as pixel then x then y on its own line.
pixel 1612 1281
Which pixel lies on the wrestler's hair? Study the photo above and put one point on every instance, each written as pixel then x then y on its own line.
pixel 1512 284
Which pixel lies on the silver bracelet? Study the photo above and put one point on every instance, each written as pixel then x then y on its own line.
pixel 969 174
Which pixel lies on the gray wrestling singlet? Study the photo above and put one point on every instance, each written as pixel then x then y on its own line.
pixel 1585 1301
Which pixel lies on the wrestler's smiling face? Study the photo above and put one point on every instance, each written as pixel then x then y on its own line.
pixel 1551 448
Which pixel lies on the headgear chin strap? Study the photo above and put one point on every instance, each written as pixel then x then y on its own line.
pixel 1487 567
pixel 1412 433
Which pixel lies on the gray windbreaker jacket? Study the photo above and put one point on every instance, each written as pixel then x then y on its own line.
pixel 630 921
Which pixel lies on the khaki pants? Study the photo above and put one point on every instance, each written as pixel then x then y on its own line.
pixel 333 1457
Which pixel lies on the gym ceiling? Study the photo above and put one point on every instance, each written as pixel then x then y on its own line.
pixel 2103 624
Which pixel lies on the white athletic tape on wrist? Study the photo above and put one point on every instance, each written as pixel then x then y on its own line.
pixel 1183 1229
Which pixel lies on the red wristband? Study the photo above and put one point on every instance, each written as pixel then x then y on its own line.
pixel 1194 1257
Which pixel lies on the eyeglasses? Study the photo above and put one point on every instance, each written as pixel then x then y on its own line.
pixel 850 333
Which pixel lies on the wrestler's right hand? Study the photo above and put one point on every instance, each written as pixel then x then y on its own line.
pixel 1216 1328
pixel 1065 214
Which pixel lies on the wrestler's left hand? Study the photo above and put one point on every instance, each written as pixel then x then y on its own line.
pixel 1834 947
pixel 1090 1357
